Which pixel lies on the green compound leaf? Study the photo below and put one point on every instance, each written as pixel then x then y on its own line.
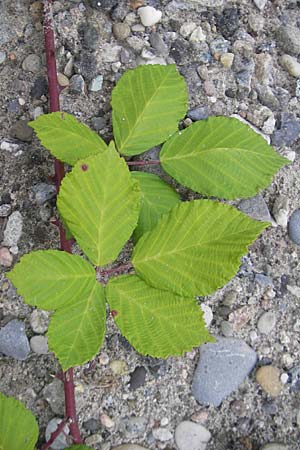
pixel 49 279
pixel 18 427
pixel 220 157
pixel 66 138
pixel 147 104
pixel 100 203
pixel 77 330
pixel 157 199
pixel 156 322
pixel 196 248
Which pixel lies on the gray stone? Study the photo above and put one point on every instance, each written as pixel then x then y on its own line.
pixel 275 446
pixel 226 328
pixel 260 4
pixel 10 147
pixel 32 63
pixel 263 280
pixel 62 440
pixel 136 425
pixel 162 434
pixel 39 345
pixel 2 57
pixel 121 31
pixel 39 321
pixel 92 425
pixel 77 84
pixel 266 322
pixel 291 65
pixel 39 88
pixel 208 3
pixel 222 367
pixel 228 22
pixel 103 4
pixel 44 192
pixel 198 113
pixel 256 208
pixel 13 229
pixel 191 436
pixel 14 106
pixel 5 210
pixel 294 227
pixel 91 38
pixel 54 394
pixel 129 447
pixel 98 123
pixel 288 39
pixel 13 340
pixel 219 46
pixel 289 131
pixel 96 84
pixel 20 130
pixel 137 378
pixel 158 44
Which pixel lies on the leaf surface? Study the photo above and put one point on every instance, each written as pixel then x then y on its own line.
pixel 49 279
pixel 100 203
pixel 147 104
pixel 18 427
pixel 157 199
pixel 77 330
pixel 220 157
pixel 196 248
pixel 66 138
pixel 156 322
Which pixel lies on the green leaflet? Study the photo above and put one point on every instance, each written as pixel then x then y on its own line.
pixel 155 322
pixel 196 248
pixel 157 199
pixel 18 427
pixel 49 279
pixel 147 104
pixel 100 204
pixel 56 280
pixel 220 157
pixel 76 331
pixel 66 138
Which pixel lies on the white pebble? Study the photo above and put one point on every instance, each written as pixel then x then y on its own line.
pixel 207 314
pixel 149 16
pixel 9 146
pixel 106 421
pixel 284 378
pixel 291 65
pixel 187 28
pixel 197 36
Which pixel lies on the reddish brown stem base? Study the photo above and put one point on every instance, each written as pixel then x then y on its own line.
pixel 151 162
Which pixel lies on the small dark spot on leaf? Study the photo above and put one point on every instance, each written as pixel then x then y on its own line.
pixel 114 313
pixel 84 167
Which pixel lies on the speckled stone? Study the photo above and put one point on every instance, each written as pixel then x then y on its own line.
pixel 191 436
pixel 266 322
pixel 13 340
pixel 294 227
pixel 269 379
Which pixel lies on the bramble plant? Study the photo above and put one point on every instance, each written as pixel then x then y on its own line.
pixel 181 249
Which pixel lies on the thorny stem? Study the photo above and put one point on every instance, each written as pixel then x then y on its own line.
pixel 55 433
pixel 65 245
pixel 151 162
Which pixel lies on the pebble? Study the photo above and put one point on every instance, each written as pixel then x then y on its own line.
pixel 288 38
pixel 256 208
pixel 121 31
pixel 207 314
pixel 227 60
pixel 256 22
pixel 227 328
pixel 294 227
pixel 2 57
pixel 158 44
pixel 129 447
pixel 291 65
pixel 187 28
pixel 91 38
pixel 275 446
pixel 39 88
pixel 269 379
pixel 197 36
pixel 61 441
pixel 228 22
pixel 92 425
pixel 137 378
pixel 266 322
pixel 37 112
pixel 260 4
pixel 106 421
pixel 191 436
pixel 5 210
pixel 118 367
pixel 93 439
pixel 289 131
pixel 218 47
pixel 198 113
pixel 96 84
pixel 39 345
pixel 69 67
pixel 6 258
pixel 54 394
pixel 63 80
pixel 284 378
pixel 13 229
pixel 263 280
pixel 39 321
pixel 138 28
pixel 98 123
pixel 280 211
pixel 136 425
pixel 222 367
pixel 295 290
pixel 20 130
pixel 13 340
pixel 32 63
pixel 44 192
pixel 77 84
pixel 149 16
pixel 9 146
pixel 162 434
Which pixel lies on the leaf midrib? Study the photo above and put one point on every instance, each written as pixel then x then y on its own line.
pixel 213 149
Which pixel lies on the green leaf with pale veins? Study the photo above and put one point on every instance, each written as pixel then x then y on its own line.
pixel 147 104
pixel 66 138
pixel 100 203
pixel 18 427
pixel 156 322
pixel 77 330
pixel 49 279
pixel 196 248
pixel 157 199
pixel 221 157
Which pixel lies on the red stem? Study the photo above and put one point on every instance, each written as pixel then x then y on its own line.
pixel 151 162
pixel 65 245
pixel 55 433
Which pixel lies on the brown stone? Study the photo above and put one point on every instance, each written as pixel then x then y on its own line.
pixel 269 379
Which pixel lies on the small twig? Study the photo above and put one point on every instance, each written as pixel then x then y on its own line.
pixel 55 433
pixel 150 162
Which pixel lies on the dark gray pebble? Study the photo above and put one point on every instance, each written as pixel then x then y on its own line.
pixel 289 131
pixel 13 340
pixel 294 227
pixel 137 378
pixel 20 130
pixel 198 113
pixel 256 208
pixel 92 425
pixel 39 88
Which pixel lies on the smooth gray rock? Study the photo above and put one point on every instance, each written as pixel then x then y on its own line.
pixel 256 208
pixel 13 230
pixel 294 227
pixel 13 340
pixel 222 367
pixel 288 39
pixel 32 63
pixel 275 446
pixel 62 440
pixel 44 192
pixel 198 113
pixel 289 131
pixel 39 345
pixel 54 394
pixel 20 130
pixel 266 322
pixel 191 436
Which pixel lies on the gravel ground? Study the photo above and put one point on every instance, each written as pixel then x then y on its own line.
pixel 238 57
